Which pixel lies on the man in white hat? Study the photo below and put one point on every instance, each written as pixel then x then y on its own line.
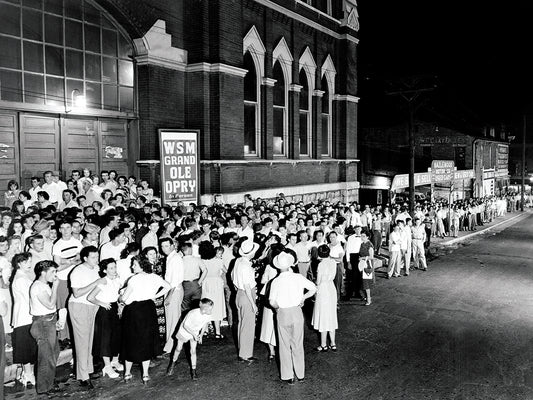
pixel 243 277
pixel 287 295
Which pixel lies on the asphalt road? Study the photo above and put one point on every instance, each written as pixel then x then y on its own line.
pixel 462 330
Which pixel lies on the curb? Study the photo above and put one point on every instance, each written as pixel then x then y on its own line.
pixel 470 235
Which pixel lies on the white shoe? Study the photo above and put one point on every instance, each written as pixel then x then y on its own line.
pixel 118 366
pixel 109 371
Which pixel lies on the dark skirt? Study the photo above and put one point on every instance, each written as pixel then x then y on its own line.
pixel 24 346
pixel 106 342
pixel 367 284
pixel 140 332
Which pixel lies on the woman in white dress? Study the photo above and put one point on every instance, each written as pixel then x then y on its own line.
pixel 212 283
pixel 325 311
pixel 268 330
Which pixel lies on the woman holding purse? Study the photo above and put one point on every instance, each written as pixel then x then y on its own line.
pixel 366 255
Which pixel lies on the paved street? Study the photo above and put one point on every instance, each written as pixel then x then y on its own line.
pixel 462 330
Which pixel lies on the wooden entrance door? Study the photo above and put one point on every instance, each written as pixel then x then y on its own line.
pixel 40 148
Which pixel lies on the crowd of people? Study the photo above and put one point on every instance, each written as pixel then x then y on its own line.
pixel 96 263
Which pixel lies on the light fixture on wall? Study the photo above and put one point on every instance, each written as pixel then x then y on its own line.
pixel 77 101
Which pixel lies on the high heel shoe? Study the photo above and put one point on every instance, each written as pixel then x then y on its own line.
pixel 26 379
pixel 109 371
pixel 170 369
pixel 146 378
pixel 118 366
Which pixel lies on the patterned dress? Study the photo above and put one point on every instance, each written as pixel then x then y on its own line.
pixel 160 305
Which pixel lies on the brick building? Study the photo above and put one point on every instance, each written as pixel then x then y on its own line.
pixel 270 84
pixel 385 153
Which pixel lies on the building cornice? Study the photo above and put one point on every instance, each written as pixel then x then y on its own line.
pixel 217 67
pixel 346 97
pixel 274 6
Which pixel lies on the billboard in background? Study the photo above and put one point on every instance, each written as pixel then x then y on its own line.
pixel 180 166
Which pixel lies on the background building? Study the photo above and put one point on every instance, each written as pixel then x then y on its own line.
pixel 384 153
pixel 270 84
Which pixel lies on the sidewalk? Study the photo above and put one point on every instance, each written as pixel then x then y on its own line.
pixel 438 243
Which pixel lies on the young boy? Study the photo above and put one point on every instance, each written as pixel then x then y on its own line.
pixel 192 330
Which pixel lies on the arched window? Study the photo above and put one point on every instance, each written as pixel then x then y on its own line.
pixel 328 73
pixel 281 127
pixel 251 107
pixel 305 116
pixel 50 50
pixel 326 119
pixel 307 68
pixel 254 63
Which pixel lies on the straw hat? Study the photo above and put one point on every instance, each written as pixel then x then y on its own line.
pixel 248 248
pixel 283 260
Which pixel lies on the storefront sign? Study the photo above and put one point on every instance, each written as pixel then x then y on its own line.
pixel 442 140
pixel 402 181
pixel 442 170
pixel 502 161
pixel 424 178
pixel 179 166
pixel 464 174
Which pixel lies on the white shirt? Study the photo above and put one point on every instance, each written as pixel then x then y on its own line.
pixel 36 307
pixel 405 237
pixel 109 250
pixel 248 232
pixel 70 204
pixel 395 240
pixel 66 249
pixel 174 270
pixel 33 193
pixel 336 251
pixel 355 219
pixel 194 321
pixel 52 189
pixel 124 269
pixel 302 251
pixel 109 292
pixel 191 268
pixel 353 244
pixel 144 287
pixel 243 274
pixel 21 295
pixel 80 277
pixel 288 289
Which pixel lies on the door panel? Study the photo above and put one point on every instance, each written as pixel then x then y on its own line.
pixel 114 145
pixel 8 153
pixel 80 148
pixel 39 146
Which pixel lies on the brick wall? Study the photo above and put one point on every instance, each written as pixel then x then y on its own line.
pixel 239 177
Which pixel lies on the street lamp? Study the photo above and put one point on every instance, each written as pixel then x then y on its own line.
pixel 77 100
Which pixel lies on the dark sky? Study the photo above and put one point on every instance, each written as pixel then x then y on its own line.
pixel 480 51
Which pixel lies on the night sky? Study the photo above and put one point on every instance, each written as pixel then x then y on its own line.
pixel 480 52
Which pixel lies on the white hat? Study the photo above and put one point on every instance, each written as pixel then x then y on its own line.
pixel 283 260
pixel 248 248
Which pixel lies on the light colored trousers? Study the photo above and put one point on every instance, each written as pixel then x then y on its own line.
pixel 394 263
pixel 406 258
pixel 291 342
pixel 419 254
pixel 246 327
pixel 82 318
pixel 303 268
pixel 172 316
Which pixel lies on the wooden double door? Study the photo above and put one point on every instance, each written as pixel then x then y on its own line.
pixel 31 144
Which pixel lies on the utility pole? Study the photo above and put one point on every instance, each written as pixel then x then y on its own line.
pixel 411 93
pixel 523 165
